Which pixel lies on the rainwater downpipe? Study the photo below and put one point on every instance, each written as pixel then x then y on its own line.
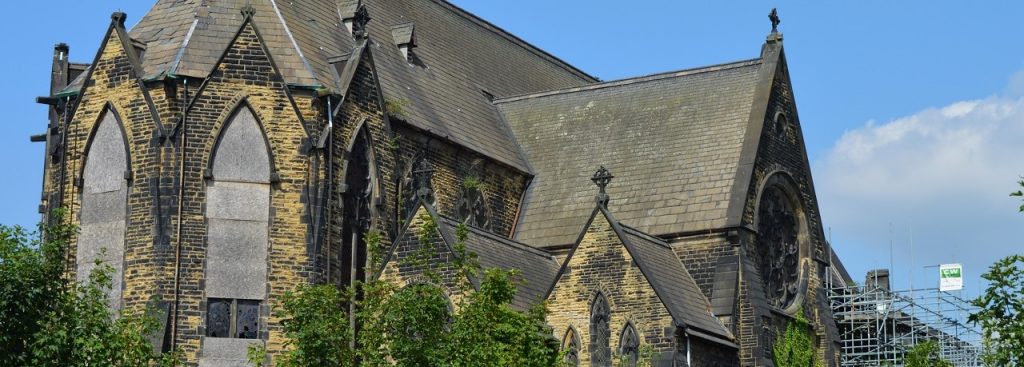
pixel 181 199
pixel 330 178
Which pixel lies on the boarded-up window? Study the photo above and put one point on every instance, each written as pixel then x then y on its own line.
pixel 104 194
pixel 237 217
pixel 237 209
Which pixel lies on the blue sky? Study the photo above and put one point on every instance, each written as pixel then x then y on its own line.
pixel 913 111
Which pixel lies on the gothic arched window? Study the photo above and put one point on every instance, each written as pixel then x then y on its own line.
pixel 571 347
pixel 472 205
pixel 356 206
pixel 104 199
pixel 411 185
pixel 778 243
pixel 600 333
pixel 237 216
pixel 629 346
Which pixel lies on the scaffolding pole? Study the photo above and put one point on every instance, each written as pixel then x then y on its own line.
pixel 878 326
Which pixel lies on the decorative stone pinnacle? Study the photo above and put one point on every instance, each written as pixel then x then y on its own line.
pixel 118 18
pixel 601 178
pixel 359 21
pixel 774 17
pixel 422 174
pixel 248 10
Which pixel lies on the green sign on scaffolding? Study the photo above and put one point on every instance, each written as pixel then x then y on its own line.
pixel 951 277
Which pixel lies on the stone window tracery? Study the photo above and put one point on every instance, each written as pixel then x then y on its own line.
pixel 600 333
pixel 471 208
pixel 232 318
pixel 356 204
pixel 629 346
pixel 778 247
pixel 571 346
pixel 410 187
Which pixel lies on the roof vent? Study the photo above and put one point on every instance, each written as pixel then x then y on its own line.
pixel 405 38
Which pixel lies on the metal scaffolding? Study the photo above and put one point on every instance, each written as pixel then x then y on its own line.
pixel 878 326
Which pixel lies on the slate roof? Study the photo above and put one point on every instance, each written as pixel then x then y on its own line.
pixel 673 283
pixel 463 58
pixel 672 140
pixel 538 268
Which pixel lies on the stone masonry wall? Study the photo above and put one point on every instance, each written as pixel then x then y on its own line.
pixel 245 76
pixel 113 83
pixel 601 263
pixel 782 149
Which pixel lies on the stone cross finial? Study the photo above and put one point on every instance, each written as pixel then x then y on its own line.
pixel 774 17
pixel 601 178
pixel 422 175
pixel 359 21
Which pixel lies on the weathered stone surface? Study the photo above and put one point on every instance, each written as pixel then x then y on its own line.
pixel 226 352
pixel 239 156
pixel 236 259
pixel 238 201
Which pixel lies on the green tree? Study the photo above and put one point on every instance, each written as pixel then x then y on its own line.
pixel 1001 313
pixel 82 331
pixel 925 354
pixel 47 320
pixel 487 331
pixel 796 347
pixel 31 272
pixel 417 325
pixel 316 327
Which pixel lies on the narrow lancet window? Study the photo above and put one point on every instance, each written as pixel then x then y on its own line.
pixel 600 333
pixel 237 214
pixel 104 199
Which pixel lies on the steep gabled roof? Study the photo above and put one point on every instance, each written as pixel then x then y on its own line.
pixel 537 268
pixel 674 141
pixel 673 283
pixel 462 59
pixel 665 273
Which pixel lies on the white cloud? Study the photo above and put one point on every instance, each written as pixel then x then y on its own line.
pixel 947 170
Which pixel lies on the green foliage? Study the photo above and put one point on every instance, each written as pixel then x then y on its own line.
pixel 316 327
pixel 925 354
pixel 396 108
pixel 1019 193
pixel 472 182
pixel 488 332
pixel 45 320
pixel 31 272
pixel 82 331
pixel 1001 313
pixel 796 347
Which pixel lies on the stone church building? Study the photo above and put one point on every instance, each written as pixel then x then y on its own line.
pixel 222 152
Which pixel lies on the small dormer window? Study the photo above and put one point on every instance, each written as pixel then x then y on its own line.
pixel 347 12
pixel 405 38
pixel 140 49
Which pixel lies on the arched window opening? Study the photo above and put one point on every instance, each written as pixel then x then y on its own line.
pixel 629 346
pixel 237 216
pixel 600 333
pixel 571 347
pixel 410 187
pixel 778 244
pixel 357 196
pixel 471 208
pixel 104 204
